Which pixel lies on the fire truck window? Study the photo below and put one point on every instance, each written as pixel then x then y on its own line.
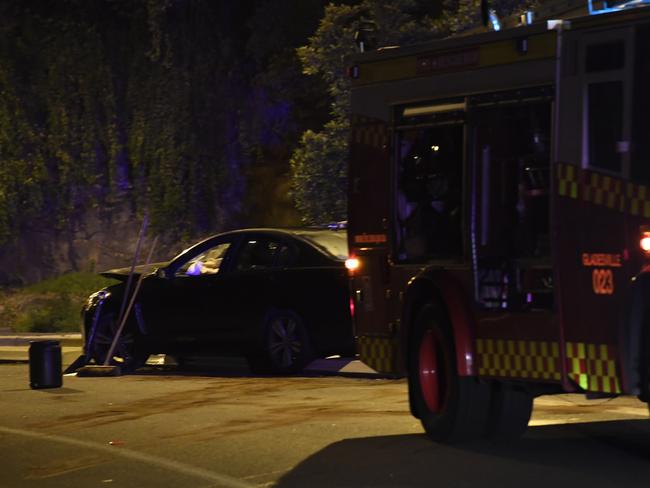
pixel 511 181
pixel 512 174
pixel 429 191
pixel 640 169
pixel 605 124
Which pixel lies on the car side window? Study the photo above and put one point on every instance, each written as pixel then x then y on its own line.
pixel 208 262
pixel 285 257
pixel 259 254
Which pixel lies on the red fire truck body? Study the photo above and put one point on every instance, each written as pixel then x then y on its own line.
pixel 499 198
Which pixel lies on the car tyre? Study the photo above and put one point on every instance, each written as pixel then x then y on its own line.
pixel 451 408
pixel 129 354
pixel 286 345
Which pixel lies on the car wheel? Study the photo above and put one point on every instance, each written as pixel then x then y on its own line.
pixel 128 353
pixel 287 347
pixel 452 408
pixel 509 412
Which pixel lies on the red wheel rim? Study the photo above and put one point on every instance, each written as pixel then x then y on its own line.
pixel 431 377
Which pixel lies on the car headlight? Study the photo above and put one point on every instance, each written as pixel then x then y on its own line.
pixel 96 298
pixel 93 302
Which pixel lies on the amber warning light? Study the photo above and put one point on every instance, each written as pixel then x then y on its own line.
pixel 645 241
pixel 352 264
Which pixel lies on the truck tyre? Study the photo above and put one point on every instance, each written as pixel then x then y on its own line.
pixel 452 408
pixel 129 354
pixel 509 412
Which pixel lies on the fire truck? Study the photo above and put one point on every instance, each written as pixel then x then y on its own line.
pixel 499 217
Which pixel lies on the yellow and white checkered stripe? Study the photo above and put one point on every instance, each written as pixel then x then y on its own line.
pixel 638 198
pixel 567 176
pixel 380 353
pixel 371 132
pixel 590 366
pixel 519 359
pixel 593 367
pixel 603 190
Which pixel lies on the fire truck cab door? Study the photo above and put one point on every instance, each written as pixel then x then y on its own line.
pixel 511 189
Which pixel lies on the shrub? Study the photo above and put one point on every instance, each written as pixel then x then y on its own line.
pixel 52 305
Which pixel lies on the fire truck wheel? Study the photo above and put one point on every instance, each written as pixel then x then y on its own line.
pixel 509 413
pixel 451 408
pixel 287 347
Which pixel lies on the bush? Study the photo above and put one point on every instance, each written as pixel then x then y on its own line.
pixel 52 305
pixel 56 314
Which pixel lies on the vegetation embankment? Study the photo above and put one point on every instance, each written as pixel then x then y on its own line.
pixel 52 305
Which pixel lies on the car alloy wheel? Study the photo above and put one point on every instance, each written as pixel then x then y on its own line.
pixel 287 342
pixel 284 343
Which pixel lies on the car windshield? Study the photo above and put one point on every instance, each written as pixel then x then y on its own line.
pixel 332 242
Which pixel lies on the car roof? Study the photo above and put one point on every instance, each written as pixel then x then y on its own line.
pixel 285 230
pixel 310 236
pixel 314 236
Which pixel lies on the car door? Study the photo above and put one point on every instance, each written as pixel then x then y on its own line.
pixel 191 297
pixel 252 286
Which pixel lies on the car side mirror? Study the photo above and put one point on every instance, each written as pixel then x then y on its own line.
pixel 161 273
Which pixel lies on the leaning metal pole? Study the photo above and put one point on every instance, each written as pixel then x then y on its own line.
pixel 127 289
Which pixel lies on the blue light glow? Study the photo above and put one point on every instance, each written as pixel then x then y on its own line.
pixel 494 20
pixel 195 268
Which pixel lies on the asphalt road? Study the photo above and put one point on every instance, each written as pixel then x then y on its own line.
pixel 167 428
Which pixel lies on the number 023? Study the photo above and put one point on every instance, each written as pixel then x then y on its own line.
pixel 603 281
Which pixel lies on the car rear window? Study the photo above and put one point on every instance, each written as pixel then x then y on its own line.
pixel 330 241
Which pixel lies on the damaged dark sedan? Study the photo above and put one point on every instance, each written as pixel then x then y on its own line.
pixel 278 297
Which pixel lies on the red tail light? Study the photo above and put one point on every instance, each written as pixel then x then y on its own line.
pixel 351 307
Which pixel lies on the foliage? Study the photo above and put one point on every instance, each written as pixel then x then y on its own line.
pixel 283 104
pixel 187 110
pixel 50 314
pixel 79 283
pixel 326 182
pixel 156 106
pixel 329 50
pixel 52 305
pixel 397 22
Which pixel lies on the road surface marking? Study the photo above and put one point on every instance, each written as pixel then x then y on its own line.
pixel 221 479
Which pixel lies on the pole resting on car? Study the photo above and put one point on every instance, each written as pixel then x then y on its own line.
pixel 107 369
